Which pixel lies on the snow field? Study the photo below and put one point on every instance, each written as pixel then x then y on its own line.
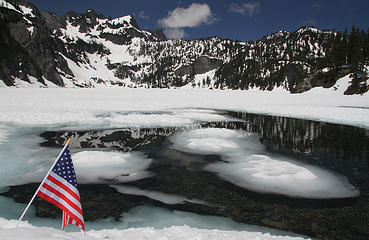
pixel 83 106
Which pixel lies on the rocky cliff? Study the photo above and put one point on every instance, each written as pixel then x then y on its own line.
pixel 91 50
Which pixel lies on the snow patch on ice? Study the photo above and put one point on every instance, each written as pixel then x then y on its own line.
pixel 248 165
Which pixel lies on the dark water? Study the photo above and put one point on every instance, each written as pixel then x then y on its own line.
pixel 342 149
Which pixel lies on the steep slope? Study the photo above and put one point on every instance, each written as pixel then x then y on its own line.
pixel 90 50
pixel 282 59
pixel 30 53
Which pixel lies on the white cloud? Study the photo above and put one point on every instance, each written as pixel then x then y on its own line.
pixel 143 15
pixel 193 16
pixel 317 5
pixel 174 33
pixel 247 9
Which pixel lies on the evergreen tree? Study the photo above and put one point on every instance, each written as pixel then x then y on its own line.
pixel 355 52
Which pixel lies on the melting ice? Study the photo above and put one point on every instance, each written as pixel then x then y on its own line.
pixel 107 167
pixel 248 165
pixel 175 117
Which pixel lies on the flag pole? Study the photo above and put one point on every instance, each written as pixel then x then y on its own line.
pixel 38 189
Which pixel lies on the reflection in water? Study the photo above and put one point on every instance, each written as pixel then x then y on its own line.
pixel 338 147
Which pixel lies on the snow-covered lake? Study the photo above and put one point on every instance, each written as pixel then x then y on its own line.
pixel 26 113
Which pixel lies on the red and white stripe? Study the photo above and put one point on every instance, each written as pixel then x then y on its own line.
pixel 64 195
pixel 67 220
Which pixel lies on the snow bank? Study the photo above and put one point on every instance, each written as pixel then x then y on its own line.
pixel 137 218
pixel 248 165
pixel 29 232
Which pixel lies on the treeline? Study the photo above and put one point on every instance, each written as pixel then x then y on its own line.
pixel 351 50
pixel 281 60
pixel 287 59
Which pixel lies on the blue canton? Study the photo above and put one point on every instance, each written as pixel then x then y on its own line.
pixel 64 168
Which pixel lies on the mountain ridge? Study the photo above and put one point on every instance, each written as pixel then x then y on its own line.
pixel 91 50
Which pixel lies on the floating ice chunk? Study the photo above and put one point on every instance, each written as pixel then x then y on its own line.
pixel 214 140
pixel 159 196
pixel 277 174
pixel 264 167
pixel 248 165
pixel 107 167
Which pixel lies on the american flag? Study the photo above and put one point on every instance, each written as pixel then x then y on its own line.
pixel 60 188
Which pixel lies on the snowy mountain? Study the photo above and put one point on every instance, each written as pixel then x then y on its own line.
pixel 90 50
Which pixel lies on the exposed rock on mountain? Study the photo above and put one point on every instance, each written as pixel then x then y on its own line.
pixel 29 52
pixel 90 50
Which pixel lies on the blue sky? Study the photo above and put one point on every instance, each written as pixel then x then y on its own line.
pixel 233 19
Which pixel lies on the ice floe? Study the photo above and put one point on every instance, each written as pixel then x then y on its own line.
pixel 110 167
pixel 246 163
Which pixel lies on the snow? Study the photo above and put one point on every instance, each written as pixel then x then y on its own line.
pixel 5 4
pixel 246 163
pixel 137 219
pixel 27 112
pixel 200 80
pixel 325 70
pixel 30 30
pixel 339 88
pixel 34 83
pixel 83 106
pixel 27 11
pixel 27 231
pixel 86 72
pixel 121 20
